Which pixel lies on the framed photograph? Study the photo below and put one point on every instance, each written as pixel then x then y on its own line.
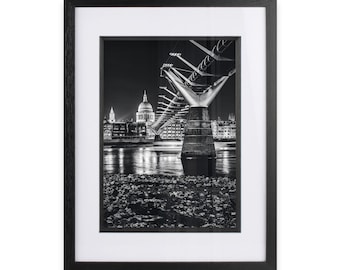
pixel 170 134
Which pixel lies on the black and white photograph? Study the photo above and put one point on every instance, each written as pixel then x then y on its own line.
pixel 170 129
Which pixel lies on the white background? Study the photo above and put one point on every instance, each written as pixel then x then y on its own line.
pixel 31 138
pixel 249 245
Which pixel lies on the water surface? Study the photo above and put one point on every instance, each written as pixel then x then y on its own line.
pixel 165 159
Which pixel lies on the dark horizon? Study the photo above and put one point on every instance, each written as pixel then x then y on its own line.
pixel 133 65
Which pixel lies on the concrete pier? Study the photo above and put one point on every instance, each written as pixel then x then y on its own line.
pixel 198 152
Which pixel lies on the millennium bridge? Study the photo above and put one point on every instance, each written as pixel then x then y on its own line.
pixel 187 92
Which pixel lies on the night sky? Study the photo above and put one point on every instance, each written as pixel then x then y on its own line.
pixel 132 66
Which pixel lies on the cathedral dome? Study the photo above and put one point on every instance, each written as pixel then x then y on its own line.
pixel 145 106
pixel 145 111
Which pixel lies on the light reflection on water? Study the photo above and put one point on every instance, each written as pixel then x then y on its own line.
pixel 149 159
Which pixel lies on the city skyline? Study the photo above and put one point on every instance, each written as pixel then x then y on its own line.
pixel 106 116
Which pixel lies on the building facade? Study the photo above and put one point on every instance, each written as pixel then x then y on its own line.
pixel 224 130
pixel 119 129
pixel 107 130
pixel 123 129
pixel 173 131
pixel 135 129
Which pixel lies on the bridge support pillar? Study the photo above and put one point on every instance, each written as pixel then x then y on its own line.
pixel 157 138
pixel 198 152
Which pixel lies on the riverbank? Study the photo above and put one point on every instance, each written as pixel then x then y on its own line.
pixel 160 202
pixel 128 141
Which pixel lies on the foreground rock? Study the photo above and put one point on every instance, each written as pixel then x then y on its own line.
pixel 173 202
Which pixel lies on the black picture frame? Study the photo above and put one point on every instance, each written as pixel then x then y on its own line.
pixel 70 262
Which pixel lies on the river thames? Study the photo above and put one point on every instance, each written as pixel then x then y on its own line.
pixel 162 159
